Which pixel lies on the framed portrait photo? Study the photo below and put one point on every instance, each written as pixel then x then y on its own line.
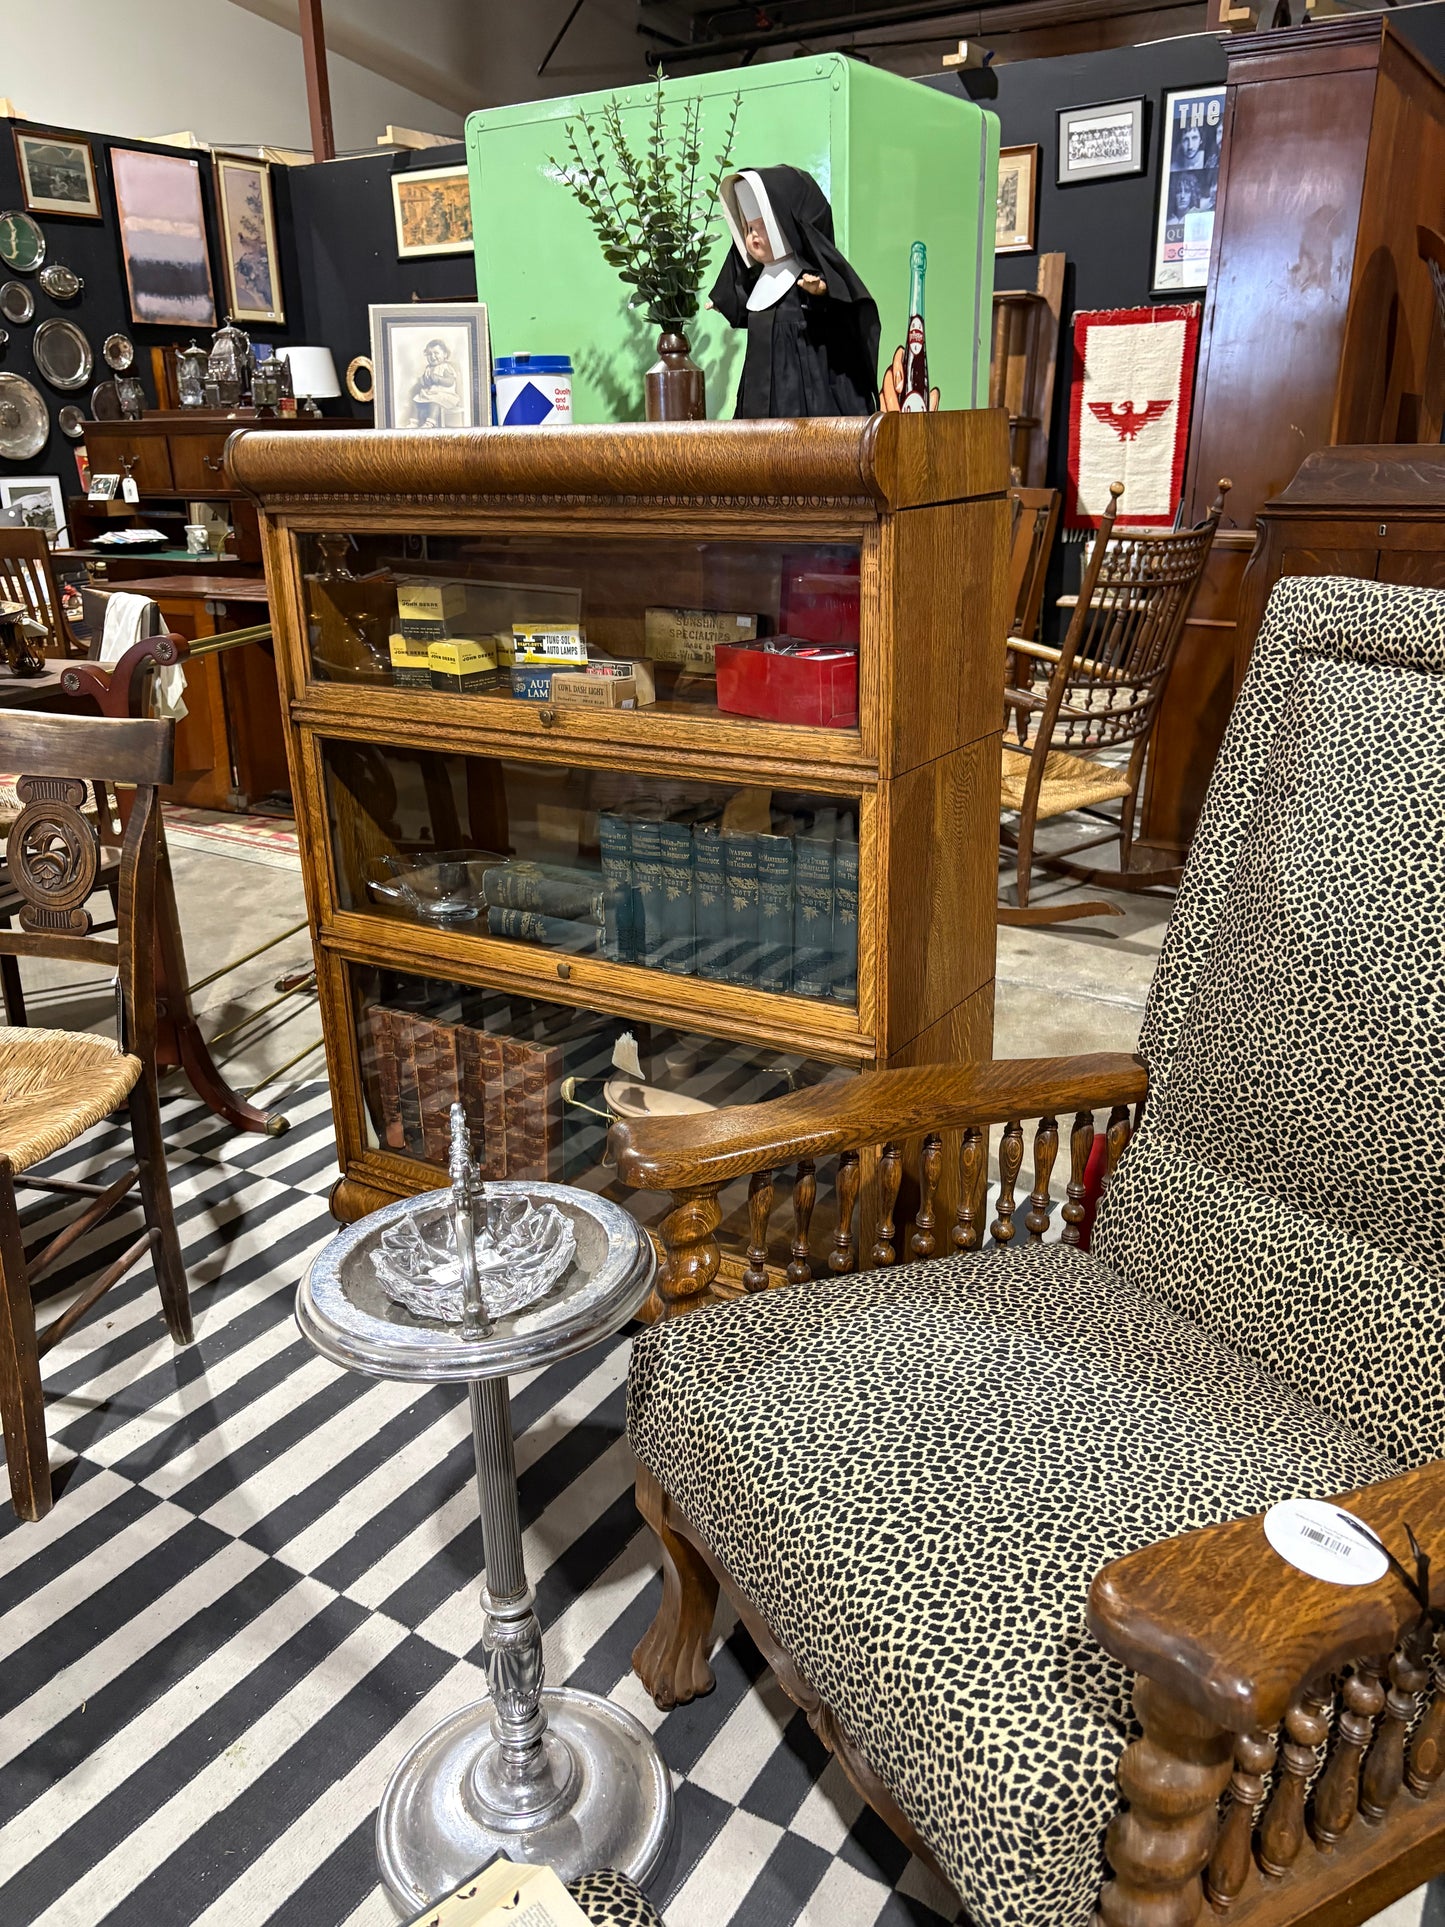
pixel 433 365
pixel 433 208
pixel 57 175
pixel 1100 142
pixel 39 501
pixel 162 218
pixel 1018 197
pixel 248 238
pixel 1188 187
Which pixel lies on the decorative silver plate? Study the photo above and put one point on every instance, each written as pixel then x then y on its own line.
pixel 72 421
pixel 62 354
pixel 104 402
pixel 24 419
pixel 344 1310
pixel 17 303
pixel 59 282
pixel 118 352
pixel 22 243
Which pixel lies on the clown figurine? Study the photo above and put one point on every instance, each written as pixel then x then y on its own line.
pixel 812 325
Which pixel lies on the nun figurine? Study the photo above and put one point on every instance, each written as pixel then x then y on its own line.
pixel 812 325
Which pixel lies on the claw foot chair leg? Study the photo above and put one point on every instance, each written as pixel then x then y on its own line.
pixel 671 1658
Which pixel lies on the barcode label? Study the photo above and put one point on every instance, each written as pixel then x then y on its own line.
pixel 1341 1547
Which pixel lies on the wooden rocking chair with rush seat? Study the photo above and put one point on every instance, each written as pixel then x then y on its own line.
pixel 55 1084
pixel 1103 693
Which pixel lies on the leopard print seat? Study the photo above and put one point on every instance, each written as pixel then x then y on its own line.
pixel 612 1900
pixel 914 1474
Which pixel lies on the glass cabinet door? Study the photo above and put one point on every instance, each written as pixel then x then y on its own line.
pixel 750 885
pixel 541 1082
pixel 763 630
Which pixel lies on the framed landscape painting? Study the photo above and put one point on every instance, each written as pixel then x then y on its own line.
pixel 57 175
pixel 248 239
pixel 433 207
pixel 162 220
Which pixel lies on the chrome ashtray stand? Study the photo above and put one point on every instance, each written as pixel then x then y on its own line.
pixel 545 1775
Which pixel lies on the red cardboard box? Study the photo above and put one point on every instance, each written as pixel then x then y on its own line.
pixel 807 684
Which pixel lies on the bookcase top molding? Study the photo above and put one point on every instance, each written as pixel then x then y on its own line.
pixel 880 462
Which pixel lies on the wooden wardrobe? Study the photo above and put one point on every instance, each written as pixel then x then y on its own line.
pixel 1319 326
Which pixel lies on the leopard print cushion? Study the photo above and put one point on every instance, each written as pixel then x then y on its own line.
pixel 612 1900
pixel 914 1475
pixel 1285 1189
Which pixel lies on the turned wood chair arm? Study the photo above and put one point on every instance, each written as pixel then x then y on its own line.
pixel 1217 1619
pixel 685 1153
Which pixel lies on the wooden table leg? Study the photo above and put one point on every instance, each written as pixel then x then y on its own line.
pixel 119 691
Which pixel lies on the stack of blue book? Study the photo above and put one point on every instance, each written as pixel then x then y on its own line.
pixel 776 910
pixel 548 903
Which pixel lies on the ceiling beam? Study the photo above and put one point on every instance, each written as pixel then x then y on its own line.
pixel 377 56
pixel 318 81
pixel 974 23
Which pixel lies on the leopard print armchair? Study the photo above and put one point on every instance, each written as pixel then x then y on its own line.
pixel 991 1503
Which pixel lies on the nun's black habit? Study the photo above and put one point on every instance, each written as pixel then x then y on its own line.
pixel 807 354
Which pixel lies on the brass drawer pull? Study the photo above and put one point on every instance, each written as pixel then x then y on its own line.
pixel 546 716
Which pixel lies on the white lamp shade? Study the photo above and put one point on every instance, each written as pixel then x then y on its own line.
pixel 313 372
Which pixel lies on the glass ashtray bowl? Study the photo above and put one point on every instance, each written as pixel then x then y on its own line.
pixel 439 886
pixel 523 1248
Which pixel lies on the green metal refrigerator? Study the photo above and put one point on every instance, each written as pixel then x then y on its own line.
pixel 900 163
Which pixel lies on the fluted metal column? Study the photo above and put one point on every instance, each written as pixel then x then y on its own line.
pixel 528 1772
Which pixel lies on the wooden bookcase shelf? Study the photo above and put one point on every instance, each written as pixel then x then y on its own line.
pixel 910 512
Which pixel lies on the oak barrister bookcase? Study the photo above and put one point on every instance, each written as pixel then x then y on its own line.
pixel 528 1007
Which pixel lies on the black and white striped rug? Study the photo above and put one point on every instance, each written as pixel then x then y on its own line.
pixel 259 1584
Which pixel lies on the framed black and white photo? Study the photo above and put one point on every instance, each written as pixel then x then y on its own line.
pixel 57 174
pixel 1100 142
pixel 39 501
pixel 433 365
pixel 1188 187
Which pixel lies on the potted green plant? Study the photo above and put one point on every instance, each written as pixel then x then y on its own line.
pixel 654 216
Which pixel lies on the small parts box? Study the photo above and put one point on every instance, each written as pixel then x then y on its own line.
pixel 790 683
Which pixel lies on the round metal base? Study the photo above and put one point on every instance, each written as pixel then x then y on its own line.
pixel 434 1826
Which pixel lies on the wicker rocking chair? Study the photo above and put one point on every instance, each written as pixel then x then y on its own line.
pixel 994 1516
pixel 1103 693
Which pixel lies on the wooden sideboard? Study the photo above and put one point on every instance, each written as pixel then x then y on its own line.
pixel 230 749
pixel 1376 512
pixel 892 529
pixel 1319 325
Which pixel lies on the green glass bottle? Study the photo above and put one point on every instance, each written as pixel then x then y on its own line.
pixel 913 399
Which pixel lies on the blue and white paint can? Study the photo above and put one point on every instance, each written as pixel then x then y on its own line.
pixel 534 391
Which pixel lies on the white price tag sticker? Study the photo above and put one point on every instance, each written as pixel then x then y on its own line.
pixel 130 489
pixel 1318 1538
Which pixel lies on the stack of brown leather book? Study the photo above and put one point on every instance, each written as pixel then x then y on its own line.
pixel 414 1068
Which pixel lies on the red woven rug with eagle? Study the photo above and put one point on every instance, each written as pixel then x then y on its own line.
pixel 1129 408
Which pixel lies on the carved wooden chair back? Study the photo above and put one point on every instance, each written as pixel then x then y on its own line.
pixel 1036 519
pixel 27 575
pixel 55 850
